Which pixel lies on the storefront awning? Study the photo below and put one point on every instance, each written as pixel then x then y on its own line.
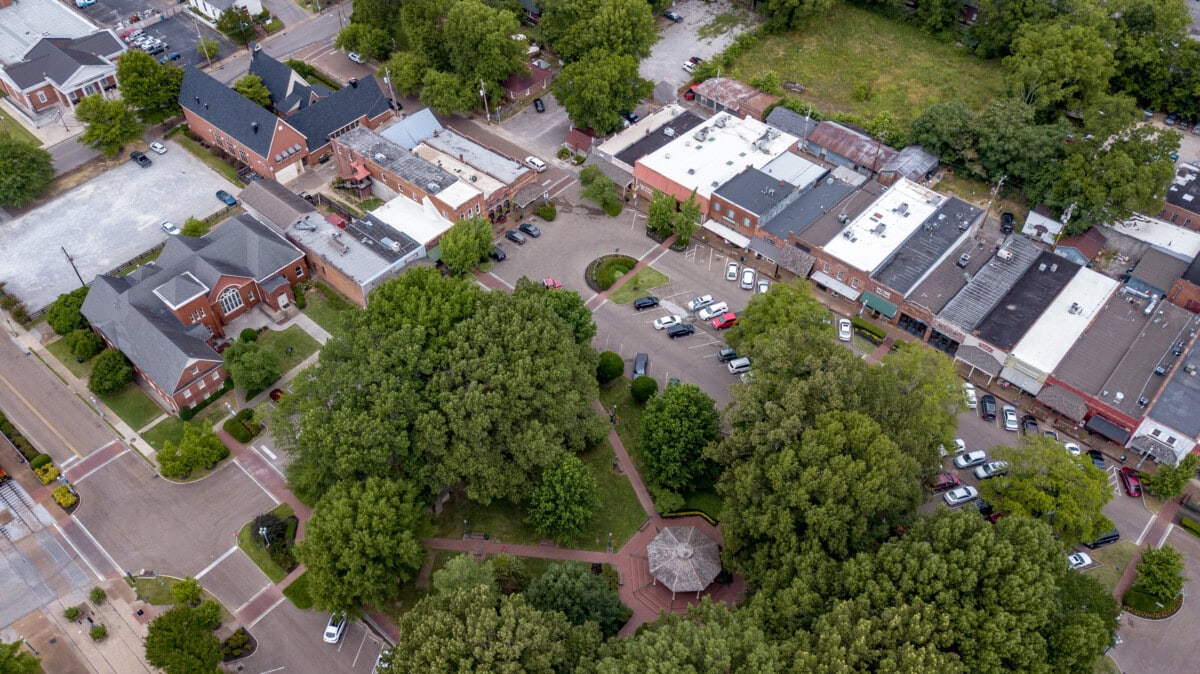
pixel 1098 424
pixel 728 234
pixel 873 301
pixel 835 285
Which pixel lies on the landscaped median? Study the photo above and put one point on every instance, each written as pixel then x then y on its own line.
pixel 276 559
pixel 643 281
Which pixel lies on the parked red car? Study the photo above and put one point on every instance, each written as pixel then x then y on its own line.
pixel 276 394
pixel 725 321
pixel 944 481
pixel 689 95
pixel 552 284
pixel 1133 484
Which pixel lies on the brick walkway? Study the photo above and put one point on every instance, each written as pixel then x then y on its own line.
pixel 646 260
pixel 1157 531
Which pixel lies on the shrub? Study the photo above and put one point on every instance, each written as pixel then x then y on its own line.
pixel 665 500
pixel 289 534
pixel 40 460
pixel 71 612
pixel 547 211
pixel 578 159
pixel 590 174
pixel 110 373
pixel 1191 525
pixel 248 335
pixel 84 344
pixel 98 633
pixel 301 300
pixel 64 496
pixel 870 328
pixel 237 645
pixel 281 554
pixel 613 208
pixel 98 595
pixel 47 474
pixel 563 153
pixel 238 430
pixel 643 388
pixel 610 367
pixel 64 315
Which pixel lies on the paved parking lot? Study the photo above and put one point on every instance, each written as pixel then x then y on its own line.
pixel 543 133
pixel 679 41
pixel 104 222
pixel 290 641
pixel 179 31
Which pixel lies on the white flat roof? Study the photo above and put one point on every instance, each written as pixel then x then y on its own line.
pixel 794 170
pixel 24 23
pixel 420 221
pixel 1034 220
pixel 341 250
pixel 1062 323
pixel 466 173
pixel 884 226
pixel 729 145
pixel 1172 239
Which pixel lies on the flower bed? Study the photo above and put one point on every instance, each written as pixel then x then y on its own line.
pixel 1146 606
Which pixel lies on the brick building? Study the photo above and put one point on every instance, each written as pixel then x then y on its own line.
pixel 1185 291
pixel 1182 205
pixel 168 317
pixel 60 72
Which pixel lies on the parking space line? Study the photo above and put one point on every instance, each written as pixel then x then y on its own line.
pixel 1161 541
pixel 1145 530
pixel 97 544
pixel 258 594
pixel 360 647
pixel 216 561
pixel 255 481
pixel 90 472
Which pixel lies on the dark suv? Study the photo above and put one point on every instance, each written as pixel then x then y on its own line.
pixel 648 302
pixel 680 330
pixel 987 407
pixel 1110 537
pixel 141 159
pixel 726 354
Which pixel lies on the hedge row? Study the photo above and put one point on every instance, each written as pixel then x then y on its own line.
pixel 693 513
pixel 1191 525
pixel 868 327
pixel 14 436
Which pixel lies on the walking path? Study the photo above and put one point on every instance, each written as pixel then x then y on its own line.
pixel 596 301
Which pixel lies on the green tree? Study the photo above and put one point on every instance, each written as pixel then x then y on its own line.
pixel 194 227
pixel 464 573
pixel 370 41
pixel 643 388
pixel 236 24
pixel 609 367
pixel 785 14
pixel 362 543
pixel 660 214
pixel 84 344
pixel 1000 20
pixel 110 124
pixel 1084 623
pixel 64 315
pixel 614 27
pixel 946 130
pixel 1148 33
pixel 198 448
pixel 477 43
pixel 110 373
pixel 938 15
pixel 25 171
pixel 676 427
pixel 687 220
pixel 252 87
pixel 181 641
pixel 511 573
pixel 1060 64
pixel 250 366
pixel 1010 143
pixel 597 89
pixel 582 596
pixel 565 304
pixel 788 305
pixel 186 592
pixel 1044 482
pixel 13 660
pixel 564 502
pixel 711 639
pixel 406 70
pixel 447 94
pixel 207 48
pixel 149 86
pixel 602 191
pixel 590 174
pixel 1170 482
pixel 466 244
pixel 1160 573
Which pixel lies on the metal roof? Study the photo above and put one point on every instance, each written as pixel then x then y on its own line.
pixel 24 23
pixel 503 168
pixel 659 136
pixel 413 129
pixel 1026 300
pixel 983 292
pixel 1176 406
pixel 852 144
pixel 913 260
pixel 912 162
pixel 395 159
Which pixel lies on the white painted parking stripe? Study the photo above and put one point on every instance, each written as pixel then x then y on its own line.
pixel 217 561
pixel 264 614
pixel 70 460
pixel 266 587
pixel 1145 530
pixel 98 546
pixel 1166 533
pixel 255 481
pixel 268 452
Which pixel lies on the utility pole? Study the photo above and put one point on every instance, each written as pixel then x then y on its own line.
pixel 995 192
pixel 483 94
pixel 1066 220
pixel 387 77
pixel 72 261
pixel 200 40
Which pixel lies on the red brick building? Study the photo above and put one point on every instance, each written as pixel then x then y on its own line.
pixel 59 71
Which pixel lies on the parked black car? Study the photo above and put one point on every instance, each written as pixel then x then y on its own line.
pixel 987 407
pixel 1110 537
pixel 530 230
pixel 1097 458
pixel 141 159
pixel 538 105
pixel 673 17
pixel 1029 424
pixel 726 354
pixel 680 330
pixel 498 254
pixel 648 302
pixel 1006 222
pixel 515 236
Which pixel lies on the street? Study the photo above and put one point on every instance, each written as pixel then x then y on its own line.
pixel 313 33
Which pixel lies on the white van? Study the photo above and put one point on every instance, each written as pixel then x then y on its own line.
pixel 535 164
pixel 739 365
pixel 969 393
pixel 712 311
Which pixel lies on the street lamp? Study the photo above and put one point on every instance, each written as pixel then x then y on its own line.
pixel 262 531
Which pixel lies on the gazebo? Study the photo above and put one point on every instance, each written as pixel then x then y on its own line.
pixel 683 559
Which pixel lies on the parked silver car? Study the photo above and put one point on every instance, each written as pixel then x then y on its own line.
pixel 1010 418
pixel 957 497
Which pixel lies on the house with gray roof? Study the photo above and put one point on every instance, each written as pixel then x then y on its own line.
pixel 61 71
pixel 169 316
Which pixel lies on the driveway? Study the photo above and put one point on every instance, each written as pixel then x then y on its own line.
pixel 679 41
pixel 103 223
pixel 1170 645
pixel 290 641
pixel 145 522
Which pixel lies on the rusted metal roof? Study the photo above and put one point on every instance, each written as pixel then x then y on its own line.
pixel 856 146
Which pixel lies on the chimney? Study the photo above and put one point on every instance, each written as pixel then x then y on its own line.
pixel 206 106
pixel 197 99
pixel 254 125
pixel 353 83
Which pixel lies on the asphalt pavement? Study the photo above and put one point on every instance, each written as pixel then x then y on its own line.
pixel 69 154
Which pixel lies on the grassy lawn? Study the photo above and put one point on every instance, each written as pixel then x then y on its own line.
pixel 13 128
pixel 326 306
pixel 157 592
pixel 1105 665
pixel 220 166
pixel 724 22
pixel 635 287
pixel 248 542
pixel 977 192
pixel 297 592
pixel 1146 603
pixel 171 428
pixel 277 342
pixel 502 520
pixel 1111 561
pixel 840 51
pixel 133 406
pixel 63 353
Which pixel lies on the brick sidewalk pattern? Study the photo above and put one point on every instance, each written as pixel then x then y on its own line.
pixel 1157 531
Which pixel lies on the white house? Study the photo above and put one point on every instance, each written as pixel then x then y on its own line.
pixel 213 8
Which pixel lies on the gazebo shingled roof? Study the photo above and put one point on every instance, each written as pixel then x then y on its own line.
pixel 683 559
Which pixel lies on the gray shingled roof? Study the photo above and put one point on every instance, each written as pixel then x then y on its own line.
pixel 289 91
pixel 1156 272
pixel 58 58
pixel 177 290
pixel 395 159
pixel 974 302
pixel 279 205
pixel 913 259
pixel 799 215
pixel 343 107
pixel 789 121
pixel 1064 402
pixel 229 111
pixel 683 559
pixel 1177 404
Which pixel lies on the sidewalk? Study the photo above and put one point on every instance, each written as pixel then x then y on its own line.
pixel 1157 532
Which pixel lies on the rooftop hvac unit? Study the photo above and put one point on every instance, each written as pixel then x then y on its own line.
pixel 306 226
pixel 1004 254
pixel 1143 401
pixel 338 245
pixel 1119 397
pixel 1075 308
pixel 432 187
pixel 1190 368
pixel 701 134
pixel 1054 267
pixel 394 245
pixel 379 156
pixel 1042 267
pixel 902 209
pixel 669 132
pixel 719 122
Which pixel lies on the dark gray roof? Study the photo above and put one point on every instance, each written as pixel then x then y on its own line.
pixel 1120 350
pixel 828 225
pixel 130 311
pixel 229 111
pixel 979 359
pixel 947 278
pixel 974 302
pixel 289 91
pixel 58 58
pixel 359 99
pixel 1064 402
pixel 1156 272
pixel 913 259
pixel 1180 398
pixel 395 159
pixel 790 121
pixel 1185 189
pixel 618 175
pixel 1026 300
pixel 799 215
pixel 658 138
pixel 913 163
pixel 280 206
pixel 766 248
pixel 1192 274
pixel 754 191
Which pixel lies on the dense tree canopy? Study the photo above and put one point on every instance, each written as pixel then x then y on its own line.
pixel 110 373
pixel 1171 481
pixel 181 641
pixel 582 596
pixel 64 315
pixel 198 448
pixel 596 90
pixel 362 542
pixel 1160 573
pixel 466 244
pixel 251 367
pixel 464 573
pixel 568 305
pixel 565 501
pixel 25 171
pixel 782 14
pixel 676 427
pixel 111 123
pixel 252 87
pixel 478 43
pixel 14 660
pixel 1060 64
pixel 149 86
pixel 610 27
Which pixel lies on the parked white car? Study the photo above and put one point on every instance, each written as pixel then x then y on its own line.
pixel 335 629
pixel 158 148
pixel 844 329
pixel 969 394
pixel 667 321
pixel 990 470
pixel 356 57
pixel 1072 448
pixel 1078 560
pixel 535 164
pixel 748 278
pixel 763 286
pixel 731 271
pixel 712 311
pixel 969 459
pixel 700 302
